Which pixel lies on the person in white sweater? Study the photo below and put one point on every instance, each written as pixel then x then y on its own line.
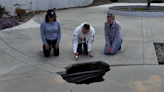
pixel 83 35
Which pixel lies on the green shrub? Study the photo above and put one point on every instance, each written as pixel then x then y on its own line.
pixel 3 11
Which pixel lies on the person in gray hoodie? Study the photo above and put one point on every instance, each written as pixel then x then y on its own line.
pixel 83 36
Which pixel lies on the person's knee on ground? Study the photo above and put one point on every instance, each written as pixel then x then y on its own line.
pixel 56 52
pixel 46 53
pixel 105 51
pixel 113 53
pixel 79 49
pixel 85 48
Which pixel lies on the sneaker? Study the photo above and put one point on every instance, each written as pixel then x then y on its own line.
pixel 119 48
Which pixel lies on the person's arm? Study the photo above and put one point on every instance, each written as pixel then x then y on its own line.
pixel 75 43
pixel 42 30
pixel 59 32
pixel 89 44
pixel 116 36
pixel 76 40
pixel 107 34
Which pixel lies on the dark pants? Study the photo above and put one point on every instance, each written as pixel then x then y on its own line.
pixel 79 48
pixel 51 45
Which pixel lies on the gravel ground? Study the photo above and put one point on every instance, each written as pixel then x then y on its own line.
pixel 160 53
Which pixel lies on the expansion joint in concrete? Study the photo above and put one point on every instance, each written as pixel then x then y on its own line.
pixel 142 40
pixel 118 65
pixel 150 30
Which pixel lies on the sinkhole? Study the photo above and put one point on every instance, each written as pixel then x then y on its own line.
pixel 85 73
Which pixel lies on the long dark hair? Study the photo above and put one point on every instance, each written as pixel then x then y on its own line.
pixel 46 18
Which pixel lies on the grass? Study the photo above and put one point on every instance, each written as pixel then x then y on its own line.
pixel 136 8
pixel 140 9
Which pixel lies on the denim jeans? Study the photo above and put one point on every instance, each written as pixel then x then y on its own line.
pixel 114 50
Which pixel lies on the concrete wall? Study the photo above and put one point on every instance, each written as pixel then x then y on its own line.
pixel 134 1
pixel 43 4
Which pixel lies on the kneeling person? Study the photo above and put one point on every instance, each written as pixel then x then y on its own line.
pixel 113 35
pixel 83 37
pixel 50 30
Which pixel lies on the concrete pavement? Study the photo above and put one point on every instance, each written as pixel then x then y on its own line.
pixel 23 67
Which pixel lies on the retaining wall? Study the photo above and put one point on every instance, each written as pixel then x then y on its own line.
pixel 35 5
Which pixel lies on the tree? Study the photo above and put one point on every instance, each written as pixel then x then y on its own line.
pixel 148 4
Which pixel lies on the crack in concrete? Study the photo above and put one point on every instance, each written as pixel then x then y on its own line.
pixel 24 77
pixel 150 30
pixel 14 78
pixel 24 54
pixel 26 63
pixel 72 88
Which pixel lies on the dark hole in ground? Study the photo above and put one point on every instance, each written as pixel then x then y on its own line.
pixel 159 48
pixel 85 73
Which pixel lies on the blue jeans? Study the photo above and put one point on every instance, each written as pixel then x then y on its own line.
pixel 114 50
